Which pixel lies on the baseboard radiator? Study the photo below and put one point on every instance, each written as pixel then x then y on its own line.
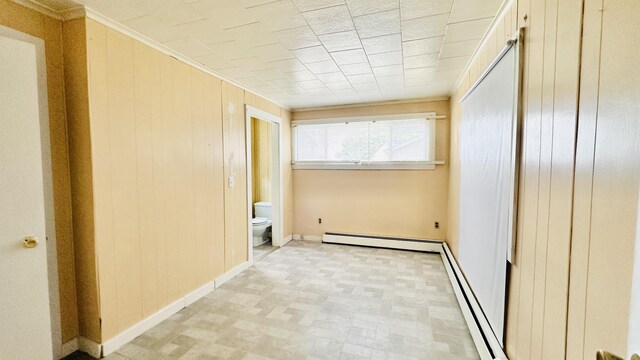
pixel 383 242
pixel 489 348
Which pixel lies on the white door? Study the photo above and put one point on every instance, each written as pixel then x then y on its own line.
pixel 25 324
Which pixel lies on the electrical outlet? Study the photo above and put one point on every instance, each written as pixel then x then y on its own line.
pixel 319 220
pixel 436 225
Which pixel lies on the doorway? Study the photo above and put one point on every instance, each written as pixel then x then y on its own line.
pixel 30 326
pixel 264 185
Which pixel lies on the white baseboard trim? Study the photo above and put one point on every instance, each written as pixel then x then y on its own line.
pixel 69 347
pixel 478 324
pixel 199 293
pixel 232 273
pixel 383 242
pixel 138 329
pixel 287 239
pixel 90 347
pixel 307 237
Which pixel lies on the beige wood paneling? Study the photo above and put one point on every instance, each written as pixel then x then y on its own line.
pixel 48 29
pixel 261 160
pixel 402 203
pixel 235 163
pixel 157 146
pixel 537 305
pixel 607 181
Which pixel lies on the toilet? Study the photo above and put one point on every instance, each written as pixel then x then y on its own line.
pixel 261 223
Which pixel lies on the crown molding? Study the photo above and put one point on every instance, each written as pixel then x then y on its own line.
pixel 483 41
pixel 43 9
pixel 84 11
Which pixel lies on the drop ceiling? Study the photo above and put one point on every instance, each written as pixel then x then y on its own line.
pixel 309 53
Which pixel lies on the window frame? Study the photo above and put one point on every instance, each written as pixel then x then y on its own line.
pixel 429 117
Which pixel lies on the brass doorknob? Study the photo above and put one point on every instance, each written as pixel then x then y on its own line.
pixel 30 242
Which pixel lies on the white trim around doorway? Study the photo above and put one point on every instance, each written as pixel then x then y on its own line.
pixel 277 190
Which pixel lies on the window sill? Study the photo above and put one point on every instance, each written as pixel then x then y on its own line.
pixel 409 165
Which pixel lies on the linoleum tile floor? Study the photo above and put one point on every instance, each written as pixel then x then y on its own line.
pixel 310 300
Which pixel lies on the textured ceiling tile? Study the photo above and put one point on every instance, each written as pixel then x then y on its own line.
pixel 278 15
pixel 339 85
pixel 390 80
pixel 362 79
pixel 251 35
pixel 225 13
pixel 332 77
pixel 422 46
pixel 356 69
pixel 122 10
pixel 341 41
pixel 464 10
pixel 175 13
pixel 245 3
pixel 312 54
pixel 420 61
pixel 382 44
pixel 252 63
pixel 468 30
pixel 311 84
pixel 304 75
pixel 272 52
pixel 390 70
pixel 453 63
pixel 425 27
pixel 297 38
pixel 459 48
pixel 412 9
pixel 323 67
pixel 364 7
pixel 152 27
pixel 292 90
pixel 253 82
pixel 214 61
pixel 236 73
pixel 419 73
pixel 308 5
pixel 379 24
pixel 366 88
pixel 329 20
pixel 232 50
pixel 269 74
pixel 349 57
pixel 283 82
pixel 205 31
pixel 288 65
pixel 384 59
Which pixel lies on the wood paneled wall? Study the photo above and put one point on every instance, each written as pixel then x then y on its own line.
pixel 48 29
pixel 261 159
pixel 607 181
pixel 154 144
pixel 562 239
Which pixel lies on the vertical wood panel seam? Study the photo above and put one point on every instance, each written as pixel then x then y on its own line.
pixel 595 144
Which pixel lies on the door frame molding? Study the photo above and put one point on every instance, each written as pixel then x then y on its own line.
pixel 47 174
pixel 277 191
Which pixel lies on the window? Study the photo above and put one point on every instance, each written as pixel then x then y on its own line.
pixel 380 143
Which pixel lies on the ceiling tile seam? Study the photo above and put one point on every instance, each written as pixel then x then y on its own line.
pixel 263 4
pixel 104 20
pixel 365 52
pixel 404 78
pixel 237 26
pixel 325 48
pixel 470 20
pixel 503 8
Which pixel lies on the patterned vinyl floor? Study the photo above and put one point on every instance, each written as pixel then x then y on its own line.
pixel 318 301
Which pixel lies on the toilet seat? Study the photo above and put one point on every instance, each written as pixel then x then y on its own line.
pixel 259 221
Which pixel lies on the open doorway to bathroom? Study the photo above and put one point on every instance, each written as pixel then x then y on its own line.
pixel 264 187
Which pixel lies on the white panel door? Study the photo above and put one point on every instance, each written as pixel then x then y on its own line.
pixel 25 324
